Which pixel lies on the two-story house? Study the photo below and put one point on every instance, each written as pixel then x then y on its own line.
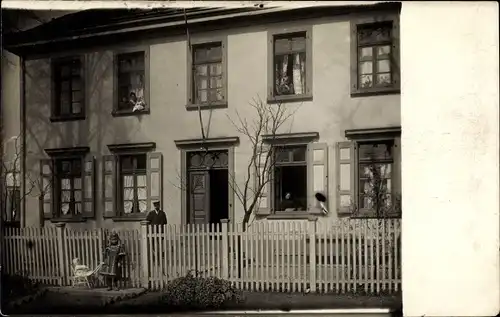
pixel 124 108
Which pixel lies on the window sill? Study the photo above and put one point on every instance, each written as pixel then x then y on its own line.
pixel 137 217
pixel 208 106
pixel 129 113
pixel 375 92
pixel 75 219
pixel 284 215
pixel 375 217
pixel 289 98
pixel 67 118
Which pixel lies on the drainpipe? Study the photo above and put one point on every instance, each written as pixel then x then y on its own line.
pixel 22 63
pixel 2 203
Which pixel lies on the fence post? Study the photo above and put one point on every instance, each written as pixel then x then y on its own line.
pixel 312 254
pixel 225 249
pixel 60 251
pixel 144 253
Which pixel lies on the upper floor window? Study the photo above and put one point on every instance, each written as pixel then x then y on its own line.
pixel 207 73
pixel 131 79
pixel 68 89
pixel 375 57
pixel 290 76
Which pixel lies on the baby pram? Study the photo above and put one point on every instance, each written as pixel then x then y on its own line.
pixel 83 275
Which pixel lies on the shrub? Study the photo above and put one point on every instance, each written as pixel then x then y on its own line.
pixel 17 285
pixel 196 292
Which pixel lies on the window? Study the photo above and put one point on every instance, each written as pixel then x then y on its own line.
pixel 290 178
pixel 68 89
pixel 374 175
pixel 12 207
pixel 207 73
pixel 291 67
pixel 375 50
pixel 369 175
pixel 69 187
pixel 67 184
pixel 131 83
pixel 132 180
pixel 133 184
pixel 297 170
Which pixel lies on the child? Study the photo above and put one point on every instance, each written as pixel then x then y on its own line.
pixel 80 269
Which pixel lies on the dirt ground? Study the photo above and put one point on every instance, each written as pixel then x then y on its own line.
pixel 92 302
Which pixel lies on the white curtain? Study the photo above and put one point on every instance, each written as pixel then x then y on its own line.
pixel 128 193
pixel 296 84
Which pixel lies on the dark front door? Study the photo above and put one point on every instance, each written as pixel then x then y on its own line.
pixel 199 199
pixel 208 186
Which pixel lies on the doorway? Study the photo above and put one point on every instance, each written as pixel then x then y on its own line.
pixel 207 186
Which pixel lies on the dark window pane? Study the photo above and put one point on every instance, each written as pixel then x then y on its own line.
pixel 76 108
pixel 282 155
pixel 290 188
pixel 141 162
pixel 375 151
pixel 211 52
pixel 286 44
pixel 374 33
pixel 299 154
pixel 290 74
pixel 126 163
pixel 129 62
pixel 65 70
pixel 76 96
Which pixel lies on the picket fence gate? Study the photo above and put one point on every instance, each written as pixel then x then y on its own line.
pixel 348 255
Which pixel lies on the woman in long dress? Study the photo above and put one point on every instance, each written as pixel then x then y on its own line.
pixel 113 255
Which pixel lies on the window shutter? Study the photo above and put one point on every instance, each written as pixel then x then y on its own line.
pixel 345 177
pixel 88 187
pixel 154 179
pixel 317 175
pixel 109 185
pixel 46 179
pixel 264 203
pixel 396 69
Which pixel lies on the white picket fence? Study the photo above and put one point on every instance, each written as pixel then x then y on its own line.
pixel 288 256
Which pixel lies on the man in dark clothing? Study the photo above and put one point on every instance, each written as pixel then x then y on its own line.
pixel 157 216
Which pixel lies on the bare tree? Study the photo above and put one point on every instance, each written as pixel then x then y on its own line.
pixel 260 131
pixel 10 173
pixel 382 205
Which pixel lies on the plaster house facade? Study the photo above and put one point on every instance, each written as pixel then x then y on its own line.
pixel 112 111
